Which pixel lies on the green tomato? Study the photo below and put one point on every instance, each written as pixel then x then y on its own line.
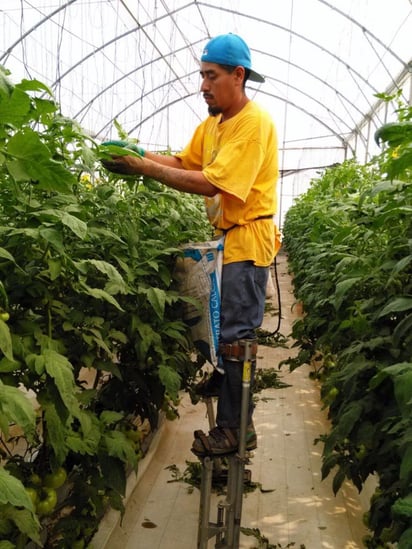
pixel 35 479
pixel 333 393
pixel 361 452
pixel 33 494
pixel 47 502
pixel 56 479
pixel 4 316
pixel 134 434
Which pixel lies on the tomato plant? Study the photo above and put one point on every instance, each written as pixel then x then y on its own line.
pixel 86 283
pixel 348 241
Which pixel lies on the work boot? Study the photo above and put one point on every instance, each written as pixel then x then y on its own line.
pixel 222 441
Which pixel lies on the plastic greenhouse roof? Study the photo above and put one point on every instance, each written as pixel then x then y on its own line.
pixel 136 61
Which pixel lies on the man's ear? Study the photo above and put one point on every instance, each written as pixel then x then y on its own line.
pixel 239 73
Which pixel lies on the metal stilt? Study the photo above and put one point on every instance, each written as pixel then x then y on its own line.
pixel 226 529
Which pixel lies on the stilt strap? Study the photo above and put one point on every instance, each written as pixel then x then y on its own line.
pixel 236 349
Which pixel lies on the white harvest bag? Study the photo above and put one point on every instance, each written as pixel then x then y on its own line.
pixel 199 272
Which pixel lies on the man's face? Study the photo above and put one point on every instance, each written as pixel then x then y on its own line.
pixel 218 87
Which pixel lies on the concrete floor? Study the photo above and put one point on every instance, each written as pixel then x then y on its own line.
pixel 292 508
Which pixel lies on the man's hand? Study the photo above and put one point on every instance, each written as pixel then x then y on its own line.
pixel 120 157
pixel 124 165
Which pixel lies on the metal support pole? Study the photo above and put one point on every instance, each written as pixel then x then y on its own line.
pixel 229 511
pixel 204 509
pixel 241 455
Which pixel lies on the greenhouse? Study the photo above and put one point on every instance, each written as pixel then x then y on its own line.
pixel 100 366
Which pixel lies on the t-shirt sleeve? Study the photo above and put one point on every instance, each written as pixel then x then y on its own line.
pixel 192 155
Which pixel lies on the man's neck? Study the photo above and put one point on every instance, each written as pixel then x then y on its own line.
pixel 234 109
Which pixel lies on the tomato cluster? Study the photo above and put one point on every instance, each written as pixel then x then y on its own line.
pixel 42 491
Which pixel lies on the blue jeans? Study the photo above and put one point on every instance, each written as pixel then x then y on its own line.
pixel 242 309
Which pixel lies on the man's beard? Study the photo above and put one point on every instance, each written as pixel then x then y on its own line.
pixel 214 111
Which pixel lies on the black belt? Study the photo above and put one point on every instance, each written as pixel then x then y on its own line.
pixel 270 216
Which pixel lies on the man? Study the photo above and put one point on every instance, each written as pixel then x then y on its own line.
pixel 232 161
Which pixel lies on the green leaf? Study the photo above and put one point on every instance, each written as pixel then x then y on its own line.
pixel 12 491
pixel 342 288
pixel 111 272
pixel 403 392
pixel 53 237
pixel 108 417
pixel 113 471
pixel 405 541
pixel 59 368
pixel 6 255
pixel 27 145
pixel 33 85
pixel 402 264
pixel 119 446
pixel 25 521
pixel 32 161
pixel 49 175
pixel 403 330
pixel 101 294
pixel 78 226
pixel 349 417
pixel 7 365
pixel 16 408
pixel 15 109
pixel 55 268
pixel 338 480
pixel 157 299
pixel 87 439
pixel 406 464
pixel 170 379
pixel 397 305
pixel 6 85
pixel 403 507
pixel 5 340
pixel 56 431
pixel 148 336
pixel 394 133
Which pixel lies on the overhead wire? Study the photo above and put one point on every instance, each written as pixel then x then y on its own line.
pixel 208 34
pixel 380 58
pixel 324 83
pixel 281 172
pixel 298 35
pixel 151 41
pixel 364 29
pixel 22 37
pixel 100 132
pixel 58 51
pixel 189 45
pixel 23 49
pixel 369 36
pixel 66 30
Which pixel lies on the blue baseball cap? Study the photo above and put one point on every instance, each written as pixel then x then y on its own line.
pixel 230 49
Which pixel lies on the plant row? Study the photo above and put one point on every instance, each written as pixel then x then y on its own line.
pixel 349 243
pixel 92 343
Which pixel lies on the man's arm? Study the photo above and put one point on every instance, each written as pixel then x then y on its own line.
pixel 166 169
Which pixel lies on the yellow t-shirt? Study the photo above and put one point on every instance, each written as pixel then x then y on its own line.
pixel 240 158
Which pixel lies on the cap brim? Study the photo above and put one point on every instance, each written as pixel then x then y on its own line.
pixel 256 77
